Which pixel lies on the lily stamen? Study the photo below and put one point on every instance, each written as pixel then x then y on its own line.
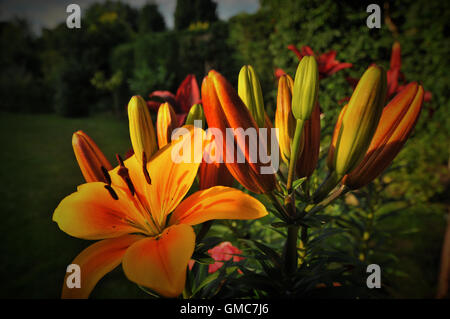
pixel 106 174
pixel 144 169
pixel 112 192
pixel 125 175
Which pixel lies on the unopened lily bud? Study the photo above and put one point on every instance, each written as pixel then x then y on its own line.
pixel 166 122
pixel 90 158
pixel 284 120
pixel 307 161
pixel 142 132
pixel 196 114
pixel 355 128
pixel 213 173
pixel 359 122
pixel 306 88
pixel 397 121
pixel 224 109
pixel 249 91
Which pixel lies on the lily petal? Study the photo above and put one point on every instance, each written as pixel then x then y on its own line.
pixel 92 213
pixel 170 181
pixel 95 262
pixel 160 263
pixel 217 202
pixel 188 93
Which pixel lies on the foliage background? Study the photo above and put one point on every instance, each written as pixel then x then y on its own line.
pixel 83 79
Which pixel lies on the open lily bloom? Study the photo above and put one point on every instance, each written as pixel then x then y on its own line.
pixel 142 221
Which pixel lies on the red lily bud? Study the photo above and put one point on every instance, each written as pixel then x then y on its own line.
pixel 89 157
pixel 309 156
pixel 397 121
pixel 224 109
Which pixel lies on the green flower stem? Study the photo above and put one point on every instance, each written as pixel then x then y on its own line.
pixel 327 186
pixel 295 152
pixel 204 230
pixel 327 201
pixel 304 235
pixel 271 196
pixel 291 258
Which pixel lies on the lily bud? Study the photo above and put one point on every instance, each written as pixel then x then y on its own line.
pixel 249 91
pixel 306 88
pixel 397 121
pixel 142 132
pixel 358 122
pixel 224 109
pixel 213 173
pixel 396 56
pixel 334 138
pixel 284 120
pixel 166 122
pixel 89 157
pixel 196 113
pixel 307 161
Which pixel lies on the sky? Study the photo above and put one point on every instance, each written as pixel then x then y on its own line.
pixel 48 13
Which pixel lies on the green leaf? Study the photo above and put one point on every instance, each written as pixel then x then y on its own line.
pixel 297 183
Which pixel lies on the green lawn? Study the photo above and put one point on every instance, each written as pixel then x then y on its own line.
pixel 38 169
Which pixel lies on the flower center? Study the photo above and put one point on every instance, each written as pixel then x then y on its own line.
pixel 150 227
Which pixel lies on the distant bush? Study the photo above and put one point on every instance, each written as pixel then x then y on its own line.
pixel 21 82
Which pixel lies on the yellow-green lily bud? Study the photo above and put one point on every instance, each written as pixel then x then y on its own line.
pixel 142 132
pixel 196 113
pixel 249 91
pixel 306 88
pixel 359 121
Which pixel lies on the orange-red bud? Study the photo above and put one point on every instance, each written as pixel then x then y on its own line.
pixel 214 173
pixel 89 157
pixel 358 122
pixel 284 120
pixel 224 109
pixel 396 123
pixel 307 161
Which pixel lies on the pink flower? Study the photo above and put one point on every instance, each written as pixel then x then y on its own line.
pixel 223 252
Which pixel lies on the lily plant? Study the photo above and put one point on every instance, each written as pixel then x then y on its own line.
pixel 141 213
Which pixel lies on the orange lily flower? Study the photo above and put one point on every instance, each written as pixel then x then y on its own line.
pixel 142 221
pixel 307 161
pixel 397 121
pixel 224 109
pixel 89 157
pixel 166 122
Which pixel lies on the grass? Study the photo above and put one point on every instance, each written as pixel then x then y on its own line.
pixel 38 169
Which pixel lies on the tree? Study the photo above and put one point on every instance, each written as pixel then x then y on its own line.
pixel 150 19
pixel 190 11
